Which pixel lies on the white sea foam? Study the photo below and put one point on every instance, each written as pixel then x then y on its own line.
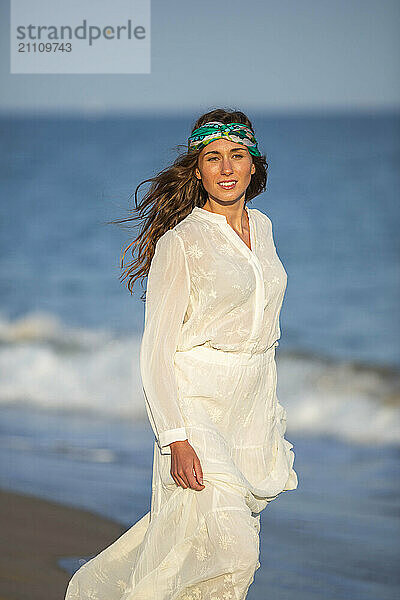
pixel 50 366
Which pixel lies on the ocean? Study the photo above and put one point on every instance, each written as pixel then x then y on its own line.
pixel 73 425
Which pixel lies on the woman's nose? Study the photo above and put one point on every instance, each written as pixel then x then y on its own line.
pixel 226 166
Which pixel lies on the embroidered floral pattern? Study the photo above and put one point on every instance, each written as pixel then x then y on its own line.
pixel 215 414
pixel 201 553
pixel 226 541
pixel 194 250
pixel 227 250
pixel 122 585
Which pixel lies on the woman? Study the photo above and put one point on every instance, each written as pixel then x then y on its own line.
pixel 214 293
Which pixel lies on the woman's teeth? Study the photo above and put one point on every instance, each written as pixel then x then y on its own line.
pixel 227 186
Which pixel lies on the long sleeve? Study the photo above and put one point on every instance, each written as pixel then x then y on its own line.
pixel 167 296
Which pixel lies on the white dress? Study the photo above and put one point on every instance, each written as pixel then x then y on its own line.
pixel 208 369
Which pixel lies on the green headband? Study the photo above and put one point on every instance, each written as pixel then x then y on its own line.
pixel 214 130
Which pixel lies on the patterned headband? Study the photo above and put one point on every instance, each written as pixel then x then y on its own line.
pixel 214 130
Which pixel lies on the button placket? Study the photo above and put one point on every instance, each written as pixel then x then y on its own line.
pixel 257 269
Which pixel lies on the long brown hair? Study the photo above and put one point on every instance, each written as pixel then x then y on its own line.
pixel 173 194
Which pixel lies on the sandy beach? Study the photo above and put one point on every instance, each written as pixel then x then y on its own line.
pixel 35 533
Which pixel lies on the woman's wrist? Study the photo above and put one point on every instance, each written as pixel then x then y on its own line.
pixel 178 442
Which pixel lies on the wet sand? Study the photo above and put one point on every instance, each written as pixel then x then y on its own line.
pixel 35 533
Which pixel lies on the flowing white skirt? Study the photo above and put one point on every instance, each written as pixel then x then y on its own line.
pixel 198 545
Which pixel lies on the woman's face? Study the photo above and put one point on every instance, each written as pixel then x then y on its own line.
pixel 225 161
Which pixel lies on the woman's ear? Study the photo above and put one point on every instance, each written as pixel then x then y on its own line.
pixel 197 173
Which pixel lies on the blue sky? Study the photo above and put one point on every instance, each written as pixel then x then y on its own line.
pixel 264 56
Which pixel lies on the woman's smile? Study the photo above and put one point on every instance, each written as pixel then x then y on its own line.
pixel 227 185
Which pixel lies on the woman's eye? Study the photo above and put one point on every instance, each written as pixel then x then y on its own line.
pixel 216 157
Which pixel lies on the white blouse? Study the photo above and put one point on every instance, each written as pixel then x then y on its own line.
pixel 206 287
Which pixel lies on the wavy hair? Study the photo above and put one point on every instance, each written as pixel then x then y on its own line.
pixel 173 194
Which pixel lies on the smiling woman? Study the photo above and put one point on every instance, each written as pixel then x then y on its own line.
pixel 215 288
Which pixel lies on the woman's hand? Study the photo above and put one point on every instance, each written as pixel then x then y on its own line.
pixel 186 470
